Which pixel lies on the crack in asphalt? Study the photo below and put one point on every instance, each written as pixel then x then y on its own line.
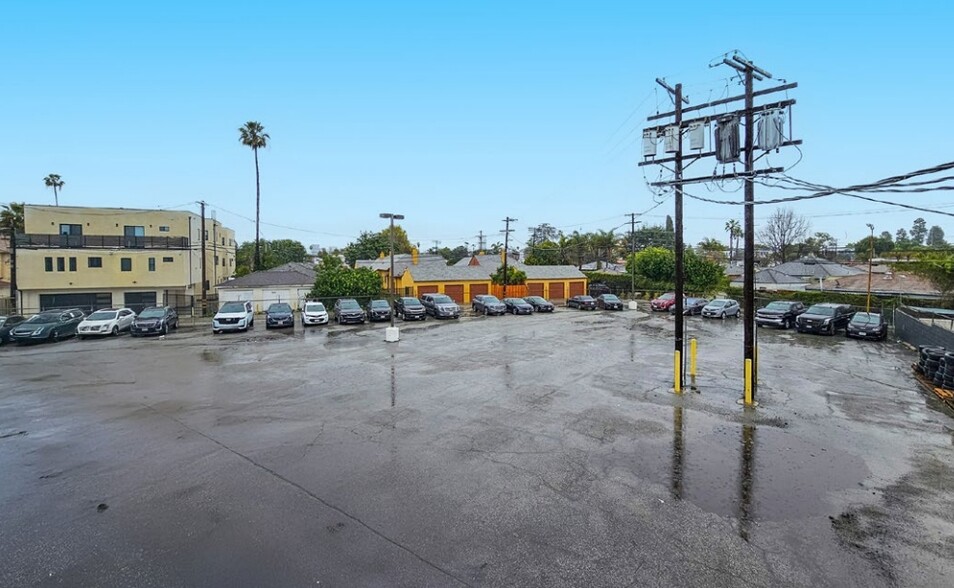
pixel 315 497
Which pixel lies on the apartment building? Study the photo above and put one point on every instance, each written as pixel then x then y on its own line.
pixel 98 257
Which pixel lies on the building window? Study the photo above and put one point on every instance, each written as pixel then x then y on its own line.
pixel 163 229
pixel 94 262
pixel 72 264
pixel 133 231
pixel 48 263
pixel 216 260
pixel 152 264
pixel 167 260
pixel 125 264
pixel 223 262
pixel 205 235
pixel 71 230
pixel 61 264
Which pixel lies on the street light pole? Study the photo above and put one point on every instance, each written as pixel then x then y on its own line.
pixel 392 330
pixel 870 256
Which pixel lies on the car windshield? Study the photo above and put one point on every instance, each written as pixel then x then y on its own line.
pixel 314 307
pixel 233 307
pixel 444 299
pixel 778 306
pixel 718 303
pixel 102 315
pixel 822 310
pixel 490 300
pixel 536 299
pixel 667 296
pixel 44 317
pixel 152 313
pixel 380 304
pixel 280 307
pixel 585 298
pixel 348 304
pixel 411 302
pixel 610 297
pixel 865 318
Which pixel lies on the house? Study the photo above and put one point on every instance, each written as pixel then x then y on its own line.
pixel 5 261
pixel 813 269
pixel 606 267
pixel 289 283
pixel 415 275
pixel 771 279
pixel 883 283
pixel 71 256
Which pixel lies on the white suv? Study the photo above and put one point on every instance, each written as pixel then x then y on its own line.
pixel 233 316
pixel 106 321
pixel 314 313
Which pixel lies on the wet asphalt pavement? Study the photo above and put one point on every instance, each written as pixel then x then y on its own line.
pixel 490 451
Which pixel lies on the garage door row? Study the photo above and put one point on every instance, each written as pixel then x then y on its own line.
pixel 462 294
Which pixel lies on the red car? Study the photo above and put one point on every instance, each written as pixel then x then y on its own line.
pixel 664 302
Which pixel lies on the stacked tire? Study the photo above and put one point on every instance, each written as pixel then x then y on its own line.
pixel 932 362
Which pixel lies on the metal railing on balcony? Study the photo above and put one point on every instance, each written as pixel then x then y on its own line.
pixel 35 241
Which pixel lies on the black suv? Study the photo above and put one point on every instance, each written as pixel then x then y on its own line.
pixel 379 310
pixel 781 313
pixel 823 318
pixel 409 308
pixel 347 310
pixel 155 320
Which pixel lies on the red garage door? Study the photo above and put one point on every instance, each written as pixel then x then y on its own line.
pixel 422 290
pixel 556 291
pixel 577 289
pixel 535 289
pixel 455 292
pixel 476 289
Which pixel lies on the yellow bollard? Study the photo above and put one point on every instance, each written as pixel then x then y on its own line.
pixel 748 382
pixel 677 373
pixel 692 357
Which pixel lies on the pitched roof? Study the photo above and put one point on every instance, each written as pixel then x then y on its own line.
pixel 816 267
pixel 402 261
pixel 771 275
pixel 881 283
pixel 296 266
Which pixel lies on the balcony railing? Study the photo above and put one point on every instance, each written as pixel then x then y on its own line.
pixel 34 241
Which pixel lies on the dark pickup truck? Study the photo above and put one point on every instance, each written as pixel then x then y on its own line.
pixel 781 313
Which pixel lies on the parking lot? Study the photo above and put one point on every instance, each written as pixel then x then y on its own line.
pixel 543 450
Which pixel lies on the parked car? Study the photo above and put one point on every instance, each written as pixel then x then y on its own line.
pixel 233 316
pixel 690 306
pixel 867 325
pixel 823 318
pixel 518 306
pixel 582 302
pixel 155 320
pixel 609 302
pixel 279 314
pixel 49 325
pixel 6 325
pixel 780 313
pixel 663 303
pixel 409 308
pixel 379 310
pixel 347 310
pixel 440 306
pixel 721 308
pixel 314 313
pixel 539 304
pixel 598 288
pixel 106 321
pixel 488 304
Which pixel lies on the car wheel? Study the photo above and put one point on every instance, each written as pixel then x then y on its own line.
pixel 54 336
pixel 116 331
pixel 80 337
pixel 165 328
pixel 787 324
pixel 486 312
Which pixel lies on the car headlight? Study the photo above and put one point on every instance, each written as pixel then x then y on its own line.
pixel 38 331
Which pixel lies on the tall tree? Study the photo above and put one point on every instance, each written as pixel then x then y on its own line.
pixel 11 222
pixel 544 253
pixel 935 237
pixel 541 233
pixel 901 240
pixel 712 249
pixel 54 181
pixel 734 229
pixel 253 135
pixel 782 230
pixel 603 244
pixel 669 224
pixel 919 231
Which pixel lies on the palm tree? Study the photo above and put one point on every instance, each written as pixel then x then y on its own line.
pixel 54 181
pixel 11 221
pixel 734 229
pixel 253 135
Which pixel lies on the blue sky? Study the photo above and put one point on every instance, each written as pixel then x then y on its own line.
pixel 455 114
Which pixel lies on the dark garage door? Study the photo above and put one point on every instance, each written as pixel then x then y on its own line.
pixel 535 289
pixel 556 291
pixel 140 300
pixel 577 289
pixel 477 289
pixel 422 290
pixel 84 301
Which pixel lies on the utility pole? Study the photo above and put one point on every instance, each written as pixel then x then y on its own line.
pixel 870 255
pixel 506 233
pixel 437 245
pixel 632 252
pixel 725 150
pixel 205 283
pixel 13 268
pixel 480 241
